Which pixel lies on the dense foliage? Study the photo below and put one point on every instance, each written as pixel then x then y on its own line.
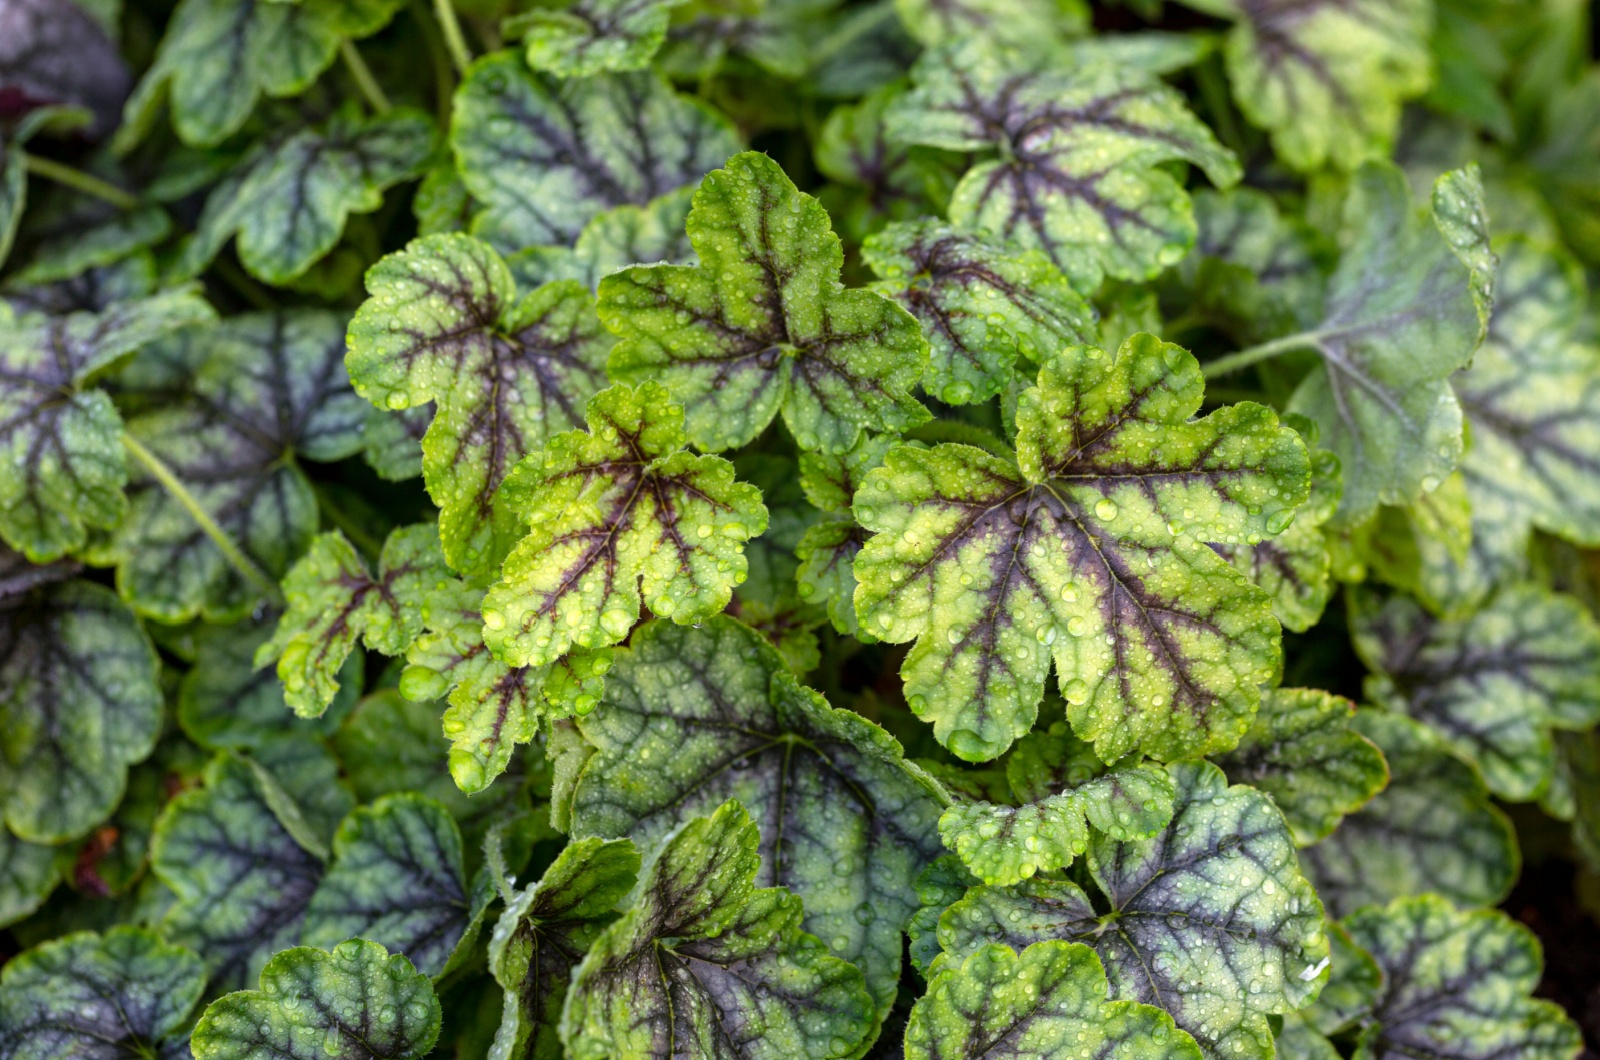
pixel 799 528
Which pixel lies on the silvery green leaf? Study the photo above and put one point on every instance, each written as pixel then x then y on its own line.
pixel 1493 684
pixel 692 717
pixel 1432 829
pixel 543 156
pixel 1080 147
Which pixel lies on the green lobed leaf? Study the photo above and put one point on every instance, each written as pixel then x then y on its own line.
pixel 219 57
pixel 1046 1003
pixel 762 324
pixel 617 516
pixel 1063 788
pixel 397 879
pixel 270 387
pixel 1456 986
pixel 241 880
pixel 1080 146
pixel 692 717
pixel 1303 752
pixel 1530 400
pixel 1354 980
pixel 288 200
pixel 392 441
pixel 1492 684
pixel 98 997
pixel 79 703
pixel 334 602
pixel 494 708
pixel 581 38
pixel 62 466
pixel 1432 829
pixel 981 304
pixel 1405 309
pixel 356 1001
pixel 444 324
pixel 1293 567
pixel 80 249
pixel 827 549
pixel 543 156
pixel 1086 551
pixel 544 932
pixel 1327 77
pixel 706 965
pixel 1210 919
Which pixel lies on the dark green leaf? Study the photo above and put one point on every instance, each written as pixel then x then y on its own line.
pixel 705 965
pixel 354 1003
pixel 693 717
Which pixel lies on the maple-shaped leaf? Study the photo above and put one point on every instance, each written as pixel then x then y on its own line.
pixel 763 325
pixel 1088 549
pixel 1303 752
pixel 444 323
pixel 288 200
pixel 494 708
pixel 618 515
pixel 1456 984
pixel 1433 829
pixel 62 466
pixel 581 38
pixel 240 878
pixel 397 879
pixel 79 703
pixel 1294 566
pixel 692 717
pixel 544 932
pixel 357 1002
pixel 223 462
pixel 1493 684
pixel 1326 77
pixel 827 550
pixel 334 602
pixel 1405 309
pixel 99 996
pixel 981 303
pixel 1063 788
pixel 1049 1001
pixel 706 965
pixel 542 156
pixel 219 57
pixel 1532 404
pixel 1080 150
pixel 1210 919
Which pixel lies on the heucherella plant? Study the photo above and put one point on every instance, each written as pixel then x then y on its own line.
pixel 799 529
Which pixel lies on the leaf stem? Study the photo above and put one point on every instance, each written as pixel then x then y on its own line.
pixel 455 43
pixel 444 77
pixel 219 537
pixel 78 180
pixel 1244 358
pixel 363 77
